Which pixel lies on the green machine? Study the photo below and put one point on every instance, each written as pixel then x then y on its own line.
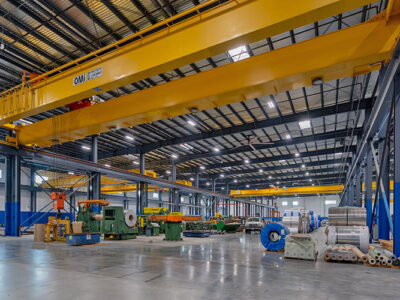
pixel 149 217
pixel 117 224
pixel 225 226
pixel 90 219
pixel 173 231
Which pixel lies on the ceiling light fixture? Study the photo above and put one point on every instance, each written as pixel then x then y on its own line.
pixel 107 165
pixel 261 170
pixel 128 137
pixel 174 156
pixel 202 167
pixel 238 53
pixel 85 147
pixel 216 149
pixel 246 161
pixel 288 137
pixel 191 123
pixel 271 104
pixel 297 154
pixel 305 124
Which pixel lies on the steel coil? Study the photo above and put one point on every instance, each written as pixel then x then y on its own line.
pixel 130 219
pixel 353 235
pixel 273 236
pixel 347 216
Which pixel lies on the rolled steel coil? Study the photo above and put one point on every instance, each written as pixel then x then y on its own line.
pixel 273 236
pixel 353 235
pixel 347 216
pixel 130 218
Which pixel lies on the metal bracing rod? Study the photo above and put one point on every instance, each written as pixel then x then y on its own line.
pixel 380 186
pixel 35 172
pixel 376 112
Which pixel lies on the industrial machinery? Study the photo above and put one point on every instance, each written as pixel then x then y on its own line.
pixel 173 227
pixel 152 229
pixel 273 236
pixel 253 225
pixel 58 201
pixel 152 215
pixel 118 224
pixel 219 224
pixel 196 229
pixel 89 218
pixel 57 229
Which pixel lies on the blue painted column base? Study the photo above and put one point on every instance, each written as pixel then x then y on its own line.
pixel 12 216
pixel 396 224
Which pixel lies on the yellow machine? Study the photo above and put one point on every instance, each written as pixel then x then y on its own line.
pixel 57 230
pixel 155 210
pixel 217 217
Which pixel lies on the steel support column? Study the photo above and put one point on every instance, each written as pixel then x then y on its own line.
pixel 396 192
pixel 12 195
pixel 383 222
pixel 33 191
pixel 357 198
pixel 368 186
pixel 94 185
pixel 141 184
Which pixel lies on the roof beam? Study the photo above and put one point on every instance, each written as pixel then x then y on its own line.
pixel 142 58
pixel 293 141
pixel 119 15
pixel 277 158
pixel 289 167
pixel 280 176
pixel 297 181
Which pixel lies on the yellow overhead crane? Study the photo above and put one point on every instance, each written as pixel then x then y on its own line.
pixel 303 190
pixel 126 63
pixel 178 43
pixel 348 52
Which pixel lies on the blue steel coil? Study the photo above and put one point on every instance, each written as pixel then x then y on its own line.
pixel 273 236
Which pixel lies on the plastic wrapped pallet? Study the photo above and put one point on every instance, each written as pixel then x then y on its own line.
pixel 300 246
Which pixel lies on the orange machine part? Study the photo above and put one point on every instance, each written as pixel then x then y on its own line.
pixel 174 218
pixel 58 200
pixel 88 202
pixel 275 213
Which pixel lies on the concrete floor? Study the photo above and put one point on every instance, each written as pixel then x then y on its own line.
pixel 220 267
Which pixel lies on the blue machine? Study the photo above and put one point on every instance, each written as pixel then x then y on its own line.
pixel 196 234
pixel 78 239
pixel 273 236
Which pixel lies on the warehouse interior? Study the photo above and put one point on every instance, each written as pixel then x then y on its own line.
pixel 185 149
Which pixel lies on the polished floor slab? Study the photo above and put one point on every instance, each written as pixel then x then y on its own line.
pixel 222 267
